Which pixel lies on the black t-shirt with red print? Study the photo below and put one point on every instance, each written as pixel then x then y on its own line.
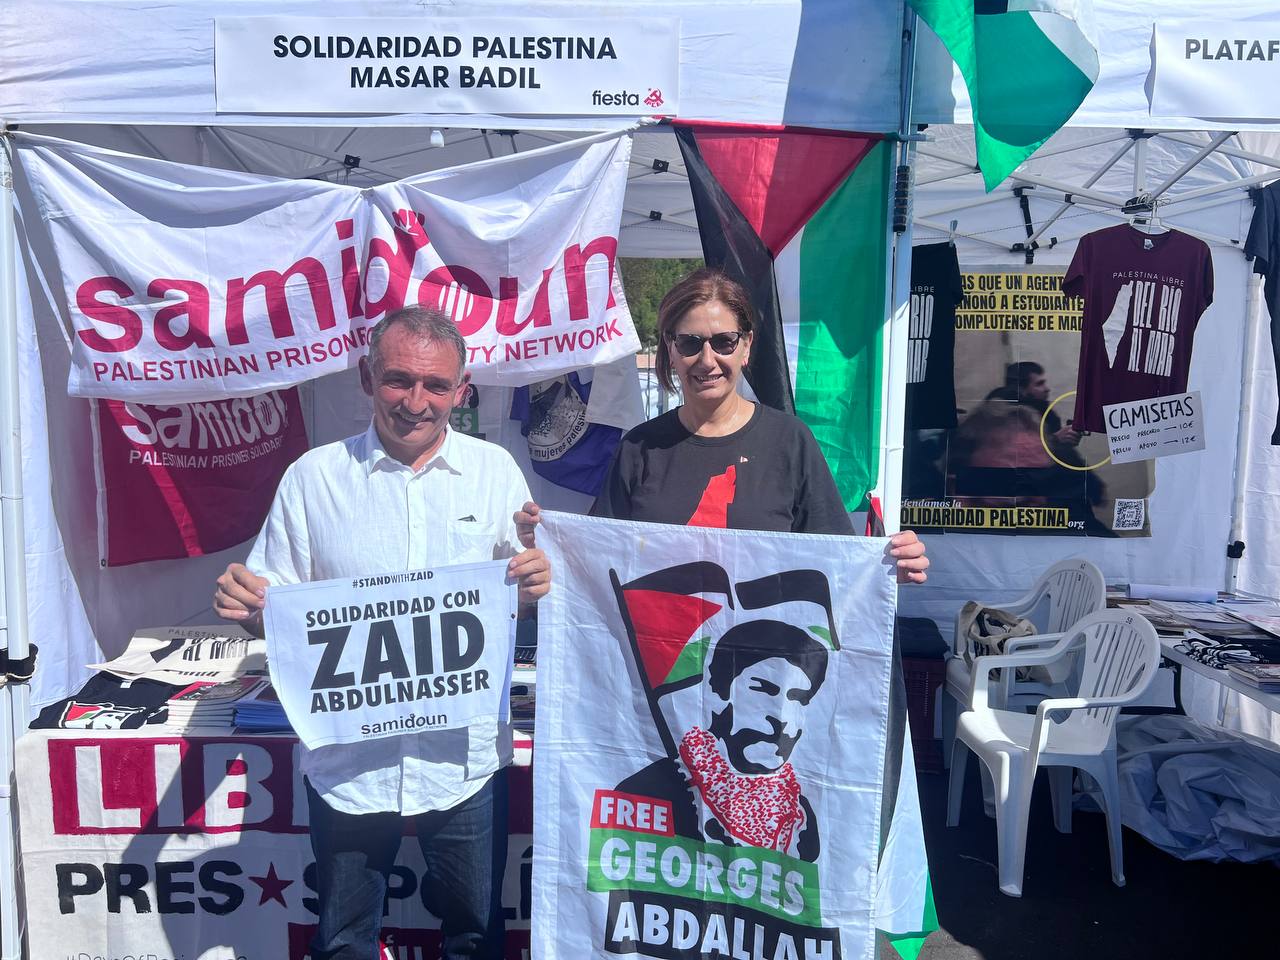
pixel 768 475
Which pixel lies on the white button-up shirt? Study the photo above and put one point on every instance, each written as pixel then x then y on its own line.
pixel 348 509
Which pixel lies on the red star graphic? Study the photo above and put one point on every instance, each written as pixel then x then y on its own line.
pixel 272 886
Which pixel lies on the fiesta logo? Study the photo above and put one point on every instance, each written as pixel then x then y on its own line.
pixel 625 98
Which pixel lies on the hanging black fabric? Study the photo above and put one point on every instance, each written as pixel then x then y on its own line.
pixel 1263 245
pixel 936 291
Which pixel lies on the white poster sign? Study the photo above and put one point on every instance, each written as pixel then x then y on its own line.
pixel 164 847
pixel 711 735
pixel 620 66
pixel 187 284
pixel 1159 427
pixel 393 654
pixel 1217 69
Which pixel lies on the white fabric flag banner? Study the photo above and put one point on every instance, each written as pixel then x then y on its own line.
pixel 387 655
pixel 711 733
pixel 184 283
pixel 520 252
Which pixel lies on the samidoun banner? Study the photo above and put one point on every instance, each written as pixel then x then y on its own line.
pixel 386 655
pixel 190 479
pixel 615 65
pixel 183 283
pixel 521 252
pixel 711 739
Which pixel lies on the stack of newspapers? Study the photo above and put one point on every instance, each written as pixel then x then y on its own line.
pixel 211 703
pixel 262 712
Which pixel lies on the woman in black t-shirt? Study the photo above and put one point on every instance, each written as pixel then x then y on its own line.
pixel 719 460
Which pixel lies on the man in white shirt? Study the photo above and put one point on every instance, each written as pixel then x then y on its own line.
pixel 406 494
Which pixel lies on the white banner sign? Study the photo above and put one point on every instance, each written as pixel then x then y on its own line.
pixel 1159 427
pixel 187 284
pixel 388 655
pixel 711 742
pixel 159 848
pixel 1217 69
pixel 603 65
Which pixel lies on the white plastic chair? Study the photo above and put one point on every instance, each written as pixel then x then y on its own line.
pixel 1075 588
pixel 1119 656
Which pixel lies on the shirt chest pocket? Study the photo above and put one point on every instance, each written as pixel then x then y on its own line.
pixel 469 541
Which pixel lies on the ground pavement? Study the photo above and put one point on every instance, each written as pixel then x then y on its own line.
pixel 1069 910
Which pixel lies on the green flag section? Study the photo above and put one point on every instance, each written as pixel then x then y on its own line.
pixel 831 281
pixel 1028 65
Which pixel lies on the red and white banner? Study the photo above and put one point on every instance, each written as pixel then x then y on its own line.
pixel 166 847
pixel 190 479
pixel 185 283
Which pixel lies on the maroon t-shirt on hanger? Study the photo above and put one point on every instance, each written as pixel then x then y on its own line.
pixel 1143 295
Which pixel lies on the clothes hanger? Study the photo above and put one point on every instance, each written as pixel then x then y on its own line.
pixel 951 232
pixel 1143 215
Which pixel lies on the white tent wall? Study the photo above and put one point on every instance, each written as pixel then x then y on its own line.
pixel 1259 569
pixel 1190 507
pixel 77 609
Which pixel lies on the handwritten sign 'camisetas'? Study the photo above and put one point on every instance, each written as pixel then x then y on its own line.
pixel 612 66
pixel 382 656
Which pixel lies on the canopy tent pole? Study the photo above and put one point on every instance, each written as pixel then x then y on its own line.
pixel 14 695
pixel 1244 435
pixel 897 330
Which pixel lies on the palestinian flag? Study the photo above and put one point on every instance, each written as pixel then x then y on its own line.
pixel 1028 65
pixel 799 218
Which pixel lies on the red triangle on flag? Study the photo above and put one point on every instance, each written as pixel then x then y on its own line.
pixel 663 623
pixel 779 179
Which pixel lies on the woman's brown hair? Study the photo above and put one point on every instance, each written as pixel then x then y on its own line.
pixel 704 285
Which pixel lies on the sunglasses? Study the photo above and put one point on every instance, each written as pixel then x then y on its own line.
pixel 690 344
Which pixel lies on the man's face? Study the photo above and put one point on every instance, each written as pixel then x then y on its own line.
pixel 760 724
pixel 414 387
pixel 1036 388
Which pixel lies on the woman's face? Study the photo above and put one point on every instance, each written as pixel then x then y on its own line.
pixel 708 377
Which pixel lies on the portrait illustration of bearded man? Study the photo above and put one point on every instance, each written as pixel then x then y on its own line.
pixel 727 774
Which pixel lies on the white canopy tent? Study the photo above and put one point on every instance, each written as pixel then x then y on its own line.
pixel 139 77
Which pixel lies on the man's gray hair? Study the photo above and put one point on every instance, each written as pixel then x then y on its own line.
pixel 428 323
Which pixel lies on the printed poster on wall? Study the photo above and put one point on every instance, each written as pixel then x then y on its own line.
pixel 609 66
pixel 190 479
pixel 392 654
pixel 711 735
pixel 151 847
pixel 188 284
pixel 1014 464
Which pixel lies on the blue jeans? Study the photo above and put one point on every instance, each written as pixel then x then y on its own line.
pixel 465 849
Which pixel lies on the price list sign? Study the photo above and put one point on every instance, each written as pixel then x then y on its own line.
pixel 1159 427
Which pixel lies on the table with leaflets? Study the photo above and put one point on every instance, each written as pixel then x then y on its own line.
pixel 191 843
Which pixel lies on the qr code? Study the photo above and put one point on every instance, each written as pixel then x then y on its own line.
pixel 1130 515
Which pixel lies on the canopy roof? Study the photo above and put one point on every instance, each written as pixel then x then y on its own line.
pixel 823 63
